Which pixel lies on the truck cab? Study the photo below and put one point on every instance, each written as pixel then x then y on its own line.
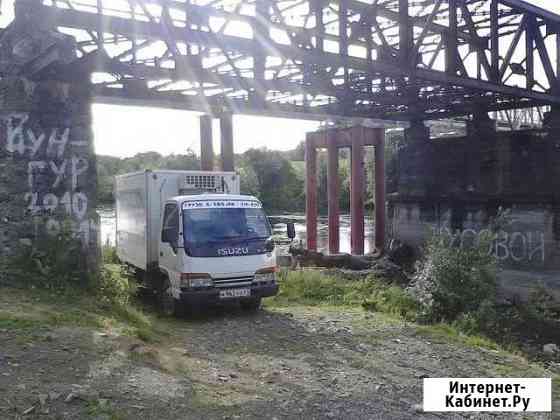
pixel 215 248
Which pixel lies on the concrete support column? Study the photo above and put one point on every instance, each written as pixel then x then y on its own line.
pixel 206 144
pixel 48 176
pixel 311 194
pixel 552 125
pixel 357 193
pixel 226 128
pixel 48 181
pixel 380 207
pixel 483 157
pixel 416 177
pixel 333 192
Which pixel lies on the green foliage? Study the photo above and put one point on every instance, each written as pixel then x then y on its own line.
pixel 392 300
pixel 544 305
pixel 57 263
pixel 454 280
pixel 112 287
pixel 109 254
pixel 272 178
pixel 50 262
pixel 315 288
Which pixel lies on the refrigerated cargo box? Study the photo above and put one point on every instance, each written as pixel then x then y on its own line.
pixel 139 201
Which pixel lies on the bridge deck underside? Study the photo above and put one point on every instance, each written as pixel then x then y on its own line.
pixel 385 59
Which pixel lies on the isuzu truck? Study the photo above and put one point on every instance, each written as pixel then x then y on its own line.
pixel 194 240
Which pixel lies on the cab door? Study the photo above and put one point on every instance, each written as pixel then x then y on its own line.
pixel 169 245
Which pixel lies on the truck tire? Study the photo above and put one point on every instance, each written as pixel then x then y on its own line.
pixel 169 305
pixel 251 305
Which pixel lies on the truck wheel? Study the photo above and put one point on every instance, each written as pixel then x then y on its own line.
pixel 171 306
pixel 251 305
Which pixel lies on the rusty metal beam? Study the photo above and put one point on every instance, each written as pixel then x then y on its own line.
pixel 244 71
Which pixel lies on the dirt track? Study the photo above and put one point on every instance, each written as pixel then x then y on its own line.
pixel 282 363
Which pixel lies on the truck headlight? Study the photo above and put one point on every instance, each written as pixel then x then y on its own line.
pixel 266 275
pixel 196 280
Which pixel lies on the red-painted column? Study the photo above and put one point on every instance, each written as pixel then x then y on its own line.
pixel 311 193
pixel 333 192
pixel 357 193
pixel 380 199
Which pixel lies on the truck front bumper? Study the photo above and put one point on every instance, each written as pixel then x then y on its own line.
pixel 211 296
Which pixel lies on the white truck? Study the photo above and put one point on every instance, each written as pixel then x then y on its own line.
pixel 194 239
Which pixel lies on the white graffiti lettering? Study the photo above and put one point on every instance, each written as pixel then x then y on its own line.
pixel 57 143
pixel 50 164
pixel 79 166
pixel 515 246
pixel 59 171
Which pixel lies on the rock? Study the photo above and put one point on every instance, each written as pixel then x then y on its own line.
pixel 363 348
pixel 53 396
pixel 71 397
pixel 284 260
pixel 417 408
pixel 550 349
pixel 402 254
pixel 29 410
pixel 43 398
pixel 26 242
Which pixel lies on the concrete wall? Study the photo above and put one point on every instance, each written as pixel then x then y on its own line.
pixel 47 163
pixel 463 182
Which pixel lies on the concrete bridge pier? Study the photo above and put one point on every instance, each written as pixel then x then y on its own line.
pixel 227 162
pixel 48 178
pixel 458 186
pixel 206 143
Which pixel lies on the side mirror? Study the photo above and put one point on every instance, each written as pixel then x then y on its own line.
pixel 291 230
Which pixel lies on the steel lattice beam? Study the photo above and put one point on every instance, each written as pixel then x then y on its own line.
pixel 388 59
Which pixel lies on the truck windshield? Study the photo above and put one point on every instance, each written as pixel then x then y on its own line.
pixel 212 232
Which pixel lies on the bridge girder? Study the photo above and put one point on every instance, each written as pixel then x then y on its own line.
pixel 384 59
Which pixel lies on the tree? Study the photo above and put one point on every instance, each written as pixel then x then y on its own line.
pixel 278 185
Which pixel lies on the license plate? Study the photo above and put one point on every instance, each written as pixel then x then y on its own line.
pixel 234 293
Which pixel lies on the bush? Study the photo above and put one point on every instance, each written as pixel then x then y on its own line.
pixel 109 253
pixel 57 263
pixel 50 262
pixel 112 287
pixel 454 280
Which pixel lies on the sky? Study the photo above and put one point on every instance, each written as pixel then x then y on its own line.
pixel 124 131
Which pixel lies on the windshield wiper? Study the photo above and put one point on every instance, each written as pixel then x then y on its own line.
pixel 237 239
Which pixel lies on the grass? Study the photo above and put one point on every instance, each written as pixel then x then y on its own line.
pixel 448 333
pixel 313 288
pixel 35 308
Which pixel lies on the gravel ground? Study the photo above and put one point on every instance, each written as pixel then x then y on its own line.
pixel 292 362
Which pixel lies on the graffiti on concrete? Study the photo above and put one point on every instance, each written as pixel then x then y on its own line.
pixel 517 246
pixel 56 172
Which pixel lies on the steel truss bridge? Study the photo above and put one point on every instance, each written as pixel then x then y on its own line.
pixel 383 59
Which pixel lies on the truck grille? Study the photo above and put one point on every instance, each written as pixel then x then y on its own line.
pixel 233 281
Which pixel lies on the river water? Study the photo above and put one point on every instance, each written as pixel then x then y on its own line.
pixel 108 226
